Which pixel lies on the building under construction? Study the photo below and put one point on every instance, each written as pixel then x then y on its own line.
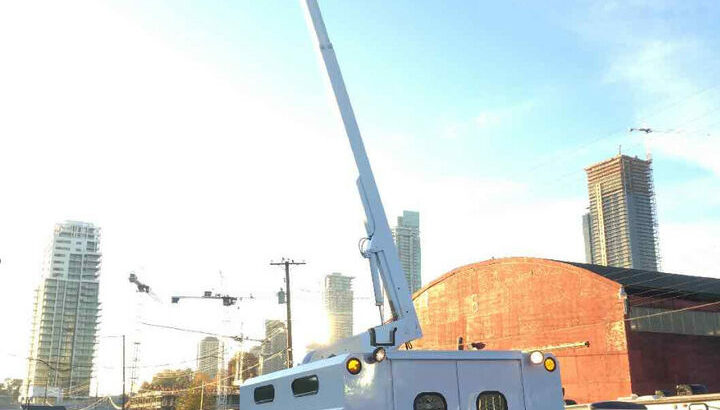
pixel 65 316
pixel 620 228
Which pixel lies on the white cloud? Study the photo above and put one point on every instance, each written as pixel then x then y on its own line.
pixel 502 115
pixel 690 248
pixel 487 119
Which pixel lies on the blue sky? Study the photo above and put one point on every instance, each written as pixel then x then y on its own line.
pixel 200 136
pixel 541 78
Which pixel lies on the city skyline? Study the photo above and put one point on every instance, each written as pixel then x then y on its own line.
pixel 176 133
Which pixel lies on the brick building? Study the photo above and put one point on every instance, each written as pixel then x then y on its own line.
pixel 646 330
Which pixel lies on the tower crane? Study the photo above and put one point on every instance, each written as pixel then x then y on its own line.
pixel 141 288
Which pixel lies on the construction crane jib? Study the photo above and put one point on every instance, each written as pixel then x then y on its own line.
pixel 379 248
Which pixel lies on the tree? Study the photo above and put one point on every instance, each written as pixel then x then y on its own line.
pixel 200 390
pixel 169 380
pixel 11 388
pixel 249 365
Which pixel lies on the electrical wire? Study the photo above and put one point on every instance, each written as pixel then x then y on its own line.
pixel 615 133
pixel 94 404
pixel 194 331
pixel 453 345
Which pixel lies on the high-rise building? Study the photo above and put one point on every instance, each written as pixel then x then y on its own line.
pixel 65 316
pixel 273 352
pixel 338 295
pixel 407 240
pixel 210 352
pixel 587 235
pixel 622 222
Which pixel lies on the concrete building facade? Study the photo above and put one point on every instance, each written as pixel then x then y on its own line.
pixel 622 220
pixel 273 351
pixel 407 240
pixel 646 330
pixel 338 298
pixel 65 315
pixel 210 353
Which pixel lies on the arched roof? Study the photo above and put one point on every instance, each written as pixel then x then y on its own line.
pixel 634 280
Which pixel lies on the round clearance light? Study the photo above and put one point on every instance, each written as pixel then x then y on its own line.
pixel 378 355
pixel 353 365
pixel 550 364
pixel 536 357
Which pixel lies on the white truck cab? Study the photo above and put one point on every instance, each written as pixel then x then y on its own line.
pixel 370 371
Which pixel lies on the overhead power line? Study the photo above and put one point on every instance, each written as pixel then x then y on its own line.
pixel 237 338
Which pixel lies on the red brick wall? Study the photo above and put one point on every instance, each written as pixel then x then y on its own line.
pixel 521 303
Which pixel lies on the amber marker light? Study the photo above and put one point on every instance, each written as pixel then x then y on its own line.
pixel 550 364
pixel 353 365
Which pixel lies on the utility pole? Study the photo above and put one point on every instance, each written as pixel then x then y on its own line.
pixel 123 358
pixel 287 263
pixel 202 393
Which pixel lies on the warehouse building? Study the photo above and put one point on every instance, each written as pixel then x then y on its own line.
pixel 616 331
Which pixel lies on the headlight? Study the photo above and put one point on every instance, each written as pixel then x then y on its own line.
pixel 378 355
pixel 536 357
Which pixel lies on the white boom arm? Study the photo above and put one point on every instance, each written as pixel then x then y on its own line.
pixel 380 250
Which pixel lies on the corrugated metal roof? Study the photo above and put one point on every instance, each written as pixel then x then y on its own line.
pixel 649 282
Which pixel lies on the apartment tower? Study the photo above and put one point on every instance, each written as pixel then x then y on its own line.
pixel 620 228
pixel 273 351
pixel 65 315
pixel 338 295
pixel 407 240
pixel 210 356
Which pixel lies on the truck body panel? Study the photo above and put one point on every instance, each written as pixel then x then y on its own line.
pixel 459 377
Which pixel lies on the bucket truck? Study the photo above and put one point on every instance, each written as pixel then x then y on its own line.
pixel 371 370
